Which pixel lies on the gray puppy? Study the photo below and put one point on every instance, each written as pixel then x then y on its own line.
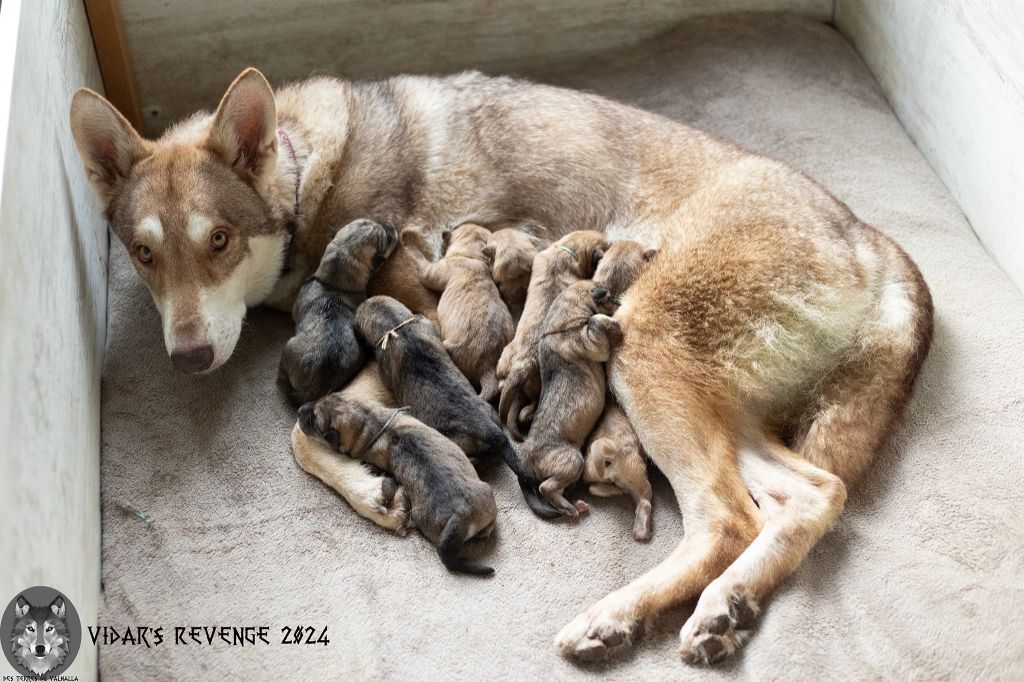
pixel 325 353
pixel 419 372
pixel 576 338
pixel 448 502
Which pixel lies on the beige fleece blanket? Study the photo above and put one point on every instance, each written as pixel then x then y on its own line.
pixel 922 577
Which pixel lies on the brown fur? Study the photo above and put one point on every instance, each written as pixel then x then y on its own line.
pixel 577 336
pixel 770 347
pixel 570 259
pixel 615 464
pixel 474 324
pixel 512 252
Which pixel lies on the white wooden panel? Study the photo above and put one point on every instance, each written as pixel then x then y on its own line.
pixel 954 72
pixel 186 52
pixel 53 260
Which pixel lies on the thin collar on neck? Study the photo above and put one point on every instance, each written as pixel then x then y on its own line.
pixel 383 429
pixel 565 248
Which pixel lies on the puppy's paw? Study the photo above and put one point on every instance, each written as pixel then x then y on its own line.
pixel 721 622
pixel 609 626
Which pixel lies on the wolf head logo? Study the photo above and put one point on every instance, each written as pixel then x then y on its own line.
pixel 40 638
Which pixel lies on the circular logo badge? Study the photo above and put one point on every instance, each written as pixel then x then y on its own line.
pixel 41 632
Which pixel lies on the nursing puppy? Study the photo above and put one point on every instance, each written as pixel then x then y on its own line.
pixel 570 259
pixel 512 252
pixel 615 464
pixel 576 338
pixel 448 503
pixel 475 324
pixel 325 353
pixel 622 263
pixel 419 372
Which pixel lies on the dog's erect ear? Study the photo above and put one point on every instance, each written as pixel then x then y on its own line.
pixel 649 255
pixel 21 606
pixel 106 141
pixel 244 129
pixel 57 606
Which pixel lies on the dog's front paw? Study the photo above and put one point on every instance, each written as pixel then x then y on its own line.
pixel 610 625
pixel 721 622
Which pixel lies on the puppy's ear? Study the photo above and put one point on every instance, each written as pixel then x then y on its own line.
pixel 446 237
pixel 21 606
pixel 600 295
pixel 57 606
pixel 332 437
pixel 489 252
pixel 595 258
pixel 244 129
pixel 107 143
pixel 649 255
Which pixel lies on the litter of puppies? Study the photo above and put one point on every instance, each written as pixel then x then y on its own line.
pixel 412 395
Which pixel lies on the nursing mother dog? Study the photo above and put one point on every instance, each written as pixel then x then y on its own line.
pixel 769 347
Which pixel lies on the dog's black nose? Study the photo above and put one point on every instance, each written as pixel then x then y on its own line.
pixel 307 419
pixel 40 649
pixel 192 359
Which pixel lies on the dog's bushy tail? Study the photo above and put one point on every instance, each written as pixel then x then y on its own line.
pixel 449 546
pixel 530 486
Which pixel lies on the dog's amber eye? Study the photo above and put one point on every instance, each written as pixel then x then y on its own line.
pixel 219 239
pixel 143 253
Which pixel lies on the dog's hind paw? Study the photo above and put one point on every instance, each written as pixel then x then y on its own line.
pixel 607 627
pixel 719 625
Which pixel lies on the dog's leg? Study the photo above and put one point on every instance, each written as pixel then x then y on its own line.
pixel 375 497
pixel 695 450
pixel 800 501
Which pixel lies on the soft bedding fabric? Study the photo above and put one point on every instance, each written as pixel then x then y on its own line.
pixel 922 576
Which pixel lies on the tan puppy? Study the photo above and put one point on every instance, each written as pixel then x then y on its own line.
pixel 449 503
pixel 512 252
pixel 475 326
pixel 623 262
pixel 570 259
pixel 615 464
pixel 577 336
pixel 378 498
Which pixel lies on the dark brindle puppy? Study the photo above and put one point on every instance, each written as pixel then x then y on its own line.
pixel 576 338
pixel 448 503
pixel 325 353
pixel 572 258
pixel 418 370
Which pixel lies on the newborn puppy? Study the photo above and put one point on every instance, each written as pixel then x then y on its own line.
pixel 623 262
pixel 512 252
pixel 448 503
pixel 417 369
pixel 325 353
pixel 475 324
pixel 576 338
pixel 615 464
pixel 570 259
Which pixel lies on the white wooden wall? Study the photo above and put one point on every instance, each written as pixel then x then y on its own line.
pixel 53 263
pixel 954 72
pixel 187 52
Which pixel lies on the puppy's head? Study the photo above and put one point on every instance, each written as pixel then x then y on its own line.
pixel 193 210
pixel 332 419
pixel 512 253
pixel 584 248
pixel 600 462
pixel 622 264
pixel 466 240
pixel 355 253
pixel 376 315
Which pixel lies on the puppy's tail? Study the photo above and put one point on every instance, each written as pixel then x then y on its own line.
pixel 527 483
pixel 449 545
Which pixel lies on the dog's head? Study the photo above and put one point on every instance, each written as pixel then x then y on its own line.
pixel 356 252
pixel 40 636
pixel 194 210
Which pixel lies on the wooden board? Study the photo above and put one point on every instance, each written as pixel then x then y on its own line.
pixel 114 58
